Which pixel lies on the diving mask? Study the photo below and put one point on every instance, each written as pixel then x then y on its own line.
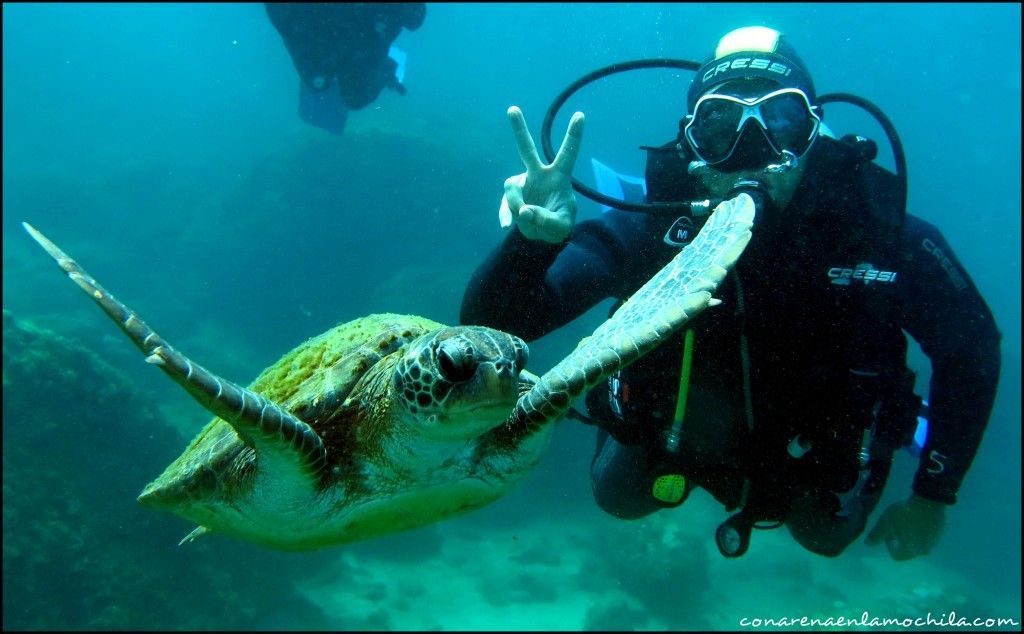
pixel 785 117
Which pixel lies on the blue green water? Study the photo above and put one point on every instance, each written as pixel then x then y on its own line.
pixel 160 146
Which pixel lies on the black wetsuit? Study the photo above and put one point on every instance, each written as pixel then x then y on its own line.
pixel 808 344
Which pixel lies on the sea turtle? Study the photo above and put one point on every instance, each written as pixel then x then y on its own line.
pixel 391 422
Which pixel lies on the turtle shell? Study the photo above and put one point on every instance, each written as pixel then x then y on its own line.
pixel 328 366
pixel 311 381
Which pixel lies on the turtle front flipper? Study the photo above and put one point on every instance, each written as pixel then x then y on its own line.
pixel 276 435
pixel 676 293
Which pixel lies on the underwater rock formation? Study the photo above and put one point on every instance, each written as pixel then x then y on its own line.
pixel 335 227
pixel 656 565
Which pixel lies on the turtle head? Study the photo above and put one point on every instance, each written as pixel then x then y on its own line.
pixel 461 381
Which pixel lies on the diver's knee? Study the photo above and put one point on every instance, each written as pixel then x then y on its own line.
pixel 623 505
pixel 620 496
pixel 816 525
pixel 826 546
pixel 621 479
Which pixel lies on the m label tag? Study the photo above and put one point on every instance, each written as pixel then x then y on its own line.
pixel 681 233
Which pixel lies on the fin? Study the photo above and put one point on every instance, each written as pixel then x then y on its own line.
pixel 198 532
pixel 275 434
pixel 323 108
pixel 400 58
pixel 673 296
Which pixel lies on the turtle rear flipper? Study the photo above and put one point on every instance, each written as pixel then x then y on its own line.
pixel 282 441
pixel 676 293
pixel 196 533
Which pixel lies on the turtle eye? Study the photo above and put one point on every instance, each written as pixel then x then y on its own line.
pixel 455 366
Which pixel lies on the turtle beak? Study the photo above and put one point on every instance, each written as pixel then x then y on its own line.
pixel 500 377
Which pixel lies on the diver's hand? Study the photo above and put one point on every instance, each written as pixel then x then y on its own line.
pixel 540 200
pixel 909 528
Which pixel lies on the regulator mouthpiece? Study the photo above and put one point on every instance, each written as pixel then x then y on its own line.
pixel 789 162
pixel 753 188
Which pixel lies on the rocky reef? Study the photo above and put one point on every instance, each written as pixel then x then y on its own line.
pixel 662 571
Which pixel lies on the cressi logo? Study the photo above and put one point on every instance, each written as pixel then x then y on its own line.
pixel 955 276
pixel 748 62
pixel 863 272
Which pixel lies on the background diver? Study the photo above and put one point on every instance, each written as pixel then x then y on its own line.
pixel 343 53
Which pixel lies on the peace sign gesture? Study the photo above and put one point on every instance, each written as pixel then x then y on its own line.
pixel 540 200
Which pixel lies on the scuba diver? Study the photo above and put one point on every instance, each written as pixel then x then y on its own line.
pixel 787 401
pixel 343 53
